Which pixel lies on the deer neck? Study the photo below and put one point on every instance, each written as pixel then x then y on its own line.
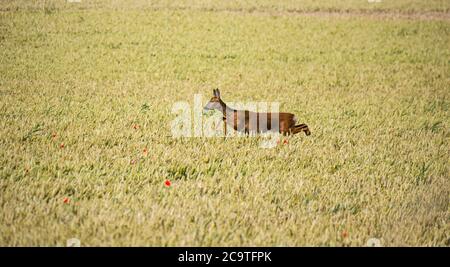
pixel 226 110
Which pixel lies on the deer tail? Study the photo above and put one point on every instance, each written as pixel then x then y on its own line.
pixel 300 128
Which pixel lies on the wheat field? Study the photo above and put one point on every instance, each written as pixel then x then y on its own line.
pixel 86 94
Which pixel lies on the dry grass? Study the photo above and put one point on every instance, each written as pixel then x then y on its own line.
pixel 375 93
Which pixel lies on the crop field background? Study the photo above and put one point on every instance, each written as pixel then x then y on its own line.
pixel 87 89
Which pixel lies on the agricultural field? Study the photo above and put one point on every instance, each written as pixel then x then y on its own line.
pixel 87 91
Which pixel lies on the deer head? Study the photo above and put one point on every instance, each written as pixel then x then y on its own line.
pixel 215 102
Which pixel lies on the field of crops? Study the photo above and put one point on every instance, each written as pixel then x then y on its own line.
pixel 86 149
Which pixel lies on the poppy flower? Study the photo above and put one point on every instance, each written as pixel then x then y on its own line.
pixel 344 234
pixel 61 145
pixel 66 200
pixel 136 126
pixel 285 142
pixel 167 183
pixel 145 152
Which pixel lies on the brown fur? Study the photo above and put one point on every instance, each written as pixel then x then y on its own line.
pixel 249 122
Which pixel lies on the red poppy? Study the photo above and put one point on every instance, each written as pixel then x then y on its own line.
pixel 53 135
pixel 285 142
pixel 61 145
pixel 136 126
pixel 66 200
pixel 344 234
pixel 145 152
pixel 167 183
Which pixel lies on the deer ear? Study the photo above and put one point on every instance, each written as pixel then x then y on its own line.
pixel 218 93
pixel 214 92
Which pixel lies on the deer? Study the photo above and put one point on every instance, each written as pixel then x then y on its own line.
pixel 255 122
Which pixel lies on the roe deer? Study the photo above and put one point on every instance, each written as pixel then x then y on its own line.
pixel 255 122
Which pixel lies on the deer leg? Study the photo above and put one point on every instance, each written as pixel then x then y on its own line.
pixel 301 128
pixel 246 132
pixel 225 127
